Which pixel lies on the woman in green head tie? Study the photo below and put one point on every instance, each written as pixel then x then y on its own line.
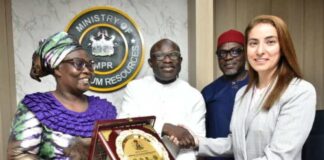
pixel 46 125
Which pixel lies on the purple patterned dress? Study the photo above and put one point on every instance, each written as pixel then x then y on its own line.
pixel 43 127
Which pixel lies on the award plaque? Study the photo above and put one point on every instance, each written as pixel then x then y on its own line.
pixel 127 139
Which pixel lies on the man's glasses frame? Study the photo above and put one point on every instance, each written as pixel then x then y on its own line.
pixel 80 64
pixel 160 56
pixel 234 52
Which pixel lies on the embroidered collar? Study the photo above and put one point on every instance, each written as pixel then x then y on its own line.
pixel 52 114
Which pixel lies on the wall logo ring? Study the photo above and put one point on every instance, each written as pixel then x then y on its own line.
pixel 115 43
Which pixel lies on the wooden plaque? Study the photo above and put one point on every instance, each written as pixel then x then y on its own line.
pixel 127 139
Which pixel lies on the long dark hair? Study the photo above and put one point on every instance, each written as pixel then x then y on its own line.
pixel 288 67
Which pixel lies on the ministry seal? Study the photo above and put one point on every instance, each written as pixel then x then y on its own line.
pixel 115 43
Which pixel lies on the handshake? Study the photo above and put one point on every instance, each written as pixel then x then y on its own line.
pixel 180 136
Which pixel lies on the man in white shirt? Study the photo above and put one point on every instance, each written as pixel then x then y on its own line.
pixel 173 101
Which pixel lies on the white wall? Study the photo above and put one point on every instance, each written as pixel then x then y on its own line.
pixel 37 19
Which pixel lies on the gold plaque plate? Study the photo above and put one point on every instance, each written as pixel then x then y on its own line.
pixel 135 144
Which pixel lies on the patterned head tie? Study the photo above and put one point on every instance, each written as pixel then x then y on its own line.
pixel 50 53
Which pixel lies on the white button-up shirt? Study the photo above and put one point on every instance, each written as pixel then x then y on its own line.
pixel 177 103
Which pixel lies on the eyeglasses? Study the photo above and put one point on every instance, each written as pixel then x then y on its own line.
pixel 160 56
pixel 80 63
pixel 234 52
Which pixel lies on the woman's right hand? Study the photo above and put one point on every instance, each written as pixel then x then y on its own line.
pixel 79 149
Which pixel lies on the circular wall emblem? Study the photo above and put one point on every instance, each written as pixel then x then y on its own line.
pixel 114 41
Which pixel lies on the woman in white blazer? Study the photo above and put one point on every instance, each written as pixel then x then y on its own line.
pixel 274 113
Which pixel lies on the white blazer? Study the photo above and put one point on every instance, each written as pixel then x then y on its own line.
pixel 277 134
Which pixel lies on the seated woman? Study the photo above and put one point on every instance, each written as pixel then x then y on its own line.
pixel 47 125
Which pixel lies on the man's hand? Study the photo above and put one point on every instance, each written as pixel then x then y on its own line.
pixel 179 135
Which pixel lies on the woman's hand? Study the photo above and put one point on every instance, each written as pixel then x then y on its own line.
pixel 78 149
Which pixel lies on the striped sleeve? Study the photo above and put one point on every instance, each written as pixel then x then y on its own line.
pixel 25 136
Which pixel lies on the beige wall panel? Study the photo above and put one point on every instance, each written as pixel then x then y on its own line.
pixel 204 42
pixel 257 7
pixel 247 9
pixel 322 53
pixel 3 51
pixel 313 51
pixel 225 19
pixel 7 79
pixel 225 16
pixel 192 42
pixel 242 17
pixel 292 12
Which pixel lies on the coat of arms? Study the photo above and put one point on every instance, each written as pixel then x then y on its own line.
pixel 114 41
